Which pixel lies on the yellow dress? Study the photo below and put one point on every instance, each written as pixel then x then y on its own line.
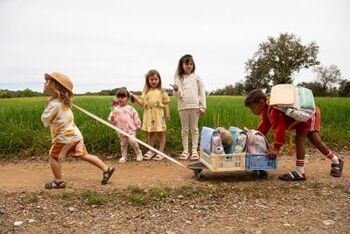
pixel 153 115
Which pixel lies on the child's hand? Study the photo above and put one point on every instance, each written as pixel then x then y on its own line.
pixel 111 119
pixel 167 118
pixel 201 111
pixel 175 87
pixel 272 154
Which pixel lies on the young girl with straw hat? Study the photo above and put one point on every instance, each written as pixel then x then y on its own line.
pixel 66 137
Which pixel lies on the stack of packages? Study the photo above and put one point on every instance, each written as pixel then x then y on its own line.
pixel 296 102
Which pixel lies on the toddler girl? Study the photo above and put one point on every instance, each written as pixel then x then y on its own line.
pixel 66 137
pixel 125 118
pixel 155 102
pixel 190 94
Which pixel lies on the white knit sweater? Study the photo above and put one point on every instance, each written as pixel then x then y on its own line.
pixel 191 93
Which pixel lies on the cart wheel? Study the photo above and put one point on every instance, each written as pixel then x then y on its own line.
pixel 198 173
pixel 262 174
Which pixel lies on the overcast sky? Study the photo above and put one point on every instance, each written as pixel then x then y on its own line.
pixel 104 44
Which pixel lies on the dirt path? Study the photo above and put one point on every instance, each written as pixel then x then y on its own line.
pixel 30 176
pixel 237 201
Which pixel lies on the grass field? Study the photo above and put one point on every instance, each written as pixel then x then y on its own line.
pixel 22 133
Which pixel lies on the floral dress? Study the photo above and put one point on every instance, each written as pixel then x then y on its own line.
pixel 153 103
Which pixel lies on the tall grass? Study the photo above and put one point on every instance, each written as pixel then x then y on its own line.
pixel 23 134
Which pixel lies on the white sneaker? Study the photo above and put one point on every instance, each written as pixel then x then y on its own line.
pixel 122 159
pixel 139 157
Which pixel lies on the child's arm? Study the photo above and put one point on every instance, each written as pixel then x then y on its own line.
pixel 167 111
pixel 111 118
pixel 279 131
pixel 49 113
pixel 202 97
pixel 135 99
pixel 165 101
pixel 176 88
pixel 136 118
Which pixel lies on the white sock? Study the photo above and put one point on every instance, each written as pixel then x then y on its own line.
pixel 333 158
pixel 300 167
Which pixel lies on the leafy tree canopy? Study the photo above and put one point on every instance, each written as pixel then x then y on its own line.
pixel 277 59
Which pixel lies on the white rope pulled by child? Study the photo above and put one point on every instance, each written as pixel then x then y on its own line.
pixel 126 134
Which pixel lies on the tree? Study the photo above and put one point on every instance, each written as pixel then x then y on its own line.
pixel 239 88
pixel 327 75
pixel 344 88
pixel 316 88
pixel 277 59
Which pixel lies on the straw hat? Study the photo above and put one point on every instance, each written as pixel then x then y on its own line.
pixel 62 79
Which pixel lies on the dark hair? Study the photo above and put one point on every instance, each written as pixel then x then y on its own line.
pixel 187 58
pixel 122 92
pixel 150 73
pixel 254 96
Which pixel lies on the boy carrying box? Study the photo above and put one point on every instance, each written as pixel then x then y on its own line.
pixel 257 102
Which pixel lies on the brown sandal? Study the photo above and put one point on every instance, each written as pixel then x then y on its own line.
pixel 107 175
pixel 55 185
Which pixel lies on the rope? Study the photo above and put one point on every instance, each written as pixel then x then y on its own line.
pixel 126 134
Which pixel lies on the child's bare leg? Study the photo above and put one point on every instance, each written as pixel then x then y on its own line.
pixel 337 164
pixel 94 160
pixel 162 136
pixel 316 140
pixel 56 169
pixel 300 145
pixel 300 150
pixel 162 140
pixel 150 138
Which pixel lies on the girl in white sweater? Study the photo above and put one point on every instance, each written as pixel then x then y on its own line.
pixel 190 94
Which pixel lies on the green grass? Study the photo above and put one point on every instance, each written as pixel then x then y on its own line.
pixel 93 198
pixel 137 196
pixel 22 133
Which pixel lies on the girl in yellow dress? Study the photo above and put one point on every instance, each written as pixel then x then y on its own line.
pixel 155 102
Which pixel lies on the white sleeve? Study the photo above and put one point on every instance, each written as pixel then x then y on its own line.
pixel 201 94
pixel 177 93
pixel 50 113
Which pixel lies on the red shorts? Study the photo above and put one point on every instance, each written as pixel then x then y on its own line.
pixel 74 149
pixel 312 125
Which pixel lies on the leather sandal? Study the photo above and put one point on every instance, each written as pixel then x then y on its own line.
pixel 55 185
pixel 292 176
pixel 337 169
pixel 107 175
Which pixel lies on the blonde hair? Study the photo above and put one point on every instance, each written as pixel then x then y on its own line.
pixel 147 76
pixel 62 93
